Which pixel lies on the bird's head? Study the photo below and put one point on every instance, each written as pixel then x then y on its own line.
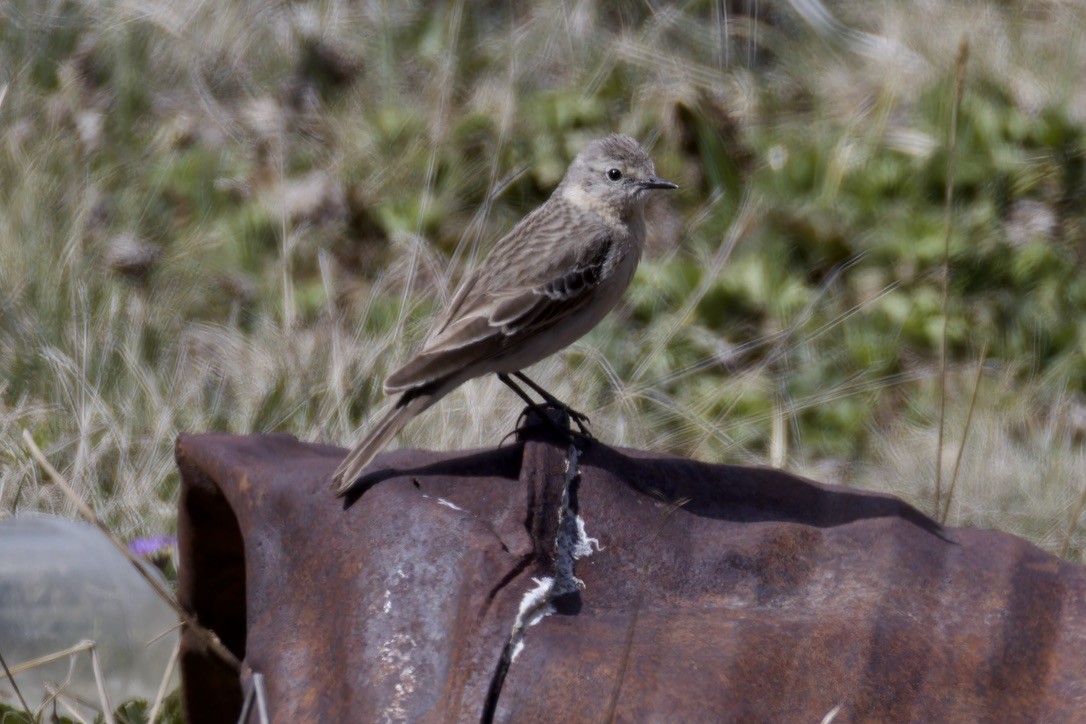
pixel 612 175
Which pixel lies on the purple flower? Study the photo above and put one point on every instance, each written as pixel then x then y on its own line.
pixel 152 545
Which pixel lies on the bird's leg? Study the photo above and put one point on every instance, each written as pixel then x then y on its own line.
pixel 576 415
pixel 534 406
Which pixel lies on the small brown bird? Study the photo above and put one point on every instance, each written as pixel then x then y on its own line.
pixel 544 285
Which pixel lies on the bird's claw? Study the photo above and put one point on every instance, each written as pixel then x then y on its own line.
pixel 577 415
pixel 580 419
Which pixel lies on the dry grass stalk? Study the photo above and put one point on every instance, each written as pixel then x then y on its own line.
pixel 14 685
pixel 55 693
pixel 965 433
pixel 69 703
pixel 51 658
pixel 255 693
pixel 959 86
pixel 161 695
pixel 100 683
pixel 209 637
pixel 1072 524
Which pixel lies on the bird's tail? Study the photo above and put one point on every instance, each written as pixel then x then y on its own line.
pixel 411 403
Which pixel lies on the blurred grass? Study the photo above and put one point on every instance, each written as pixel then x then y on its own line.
pixel 238 216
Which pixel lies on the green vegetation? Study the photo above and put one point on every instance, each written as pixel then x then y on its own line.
pixel 236 216
pixel 130 712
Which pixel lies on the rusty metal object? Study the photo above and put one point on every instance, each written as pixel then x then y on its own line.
pixel 715 593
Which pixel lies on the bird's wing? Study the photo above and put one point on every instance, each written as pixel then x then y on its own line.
pixel 490 317
pixel 543 304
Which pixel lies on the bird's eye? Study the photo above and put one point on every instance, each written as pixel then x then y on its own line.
pixel 614 174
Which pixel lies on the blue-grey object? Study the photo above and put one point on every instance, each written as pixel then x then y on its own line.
pixel 63 582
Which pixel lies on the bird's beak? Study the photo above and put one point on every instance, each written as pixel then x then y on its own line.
pixel 653 182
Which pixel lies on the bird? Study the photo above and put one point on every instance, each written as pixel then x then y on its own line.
pixel 553 277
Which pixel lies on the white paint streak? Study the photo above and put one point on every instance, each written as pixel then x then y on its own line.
pixel 534 607
pixel 583 546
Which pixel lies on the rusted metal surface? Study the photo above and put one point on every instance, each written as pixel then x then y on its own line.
pixel 715 593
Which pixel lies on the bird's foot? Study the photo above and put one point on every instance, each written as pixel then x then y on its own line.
pixel 580 419
pixel 557 417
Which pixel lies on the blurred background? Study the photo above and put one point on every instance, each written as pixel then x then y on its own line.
pixel 238 216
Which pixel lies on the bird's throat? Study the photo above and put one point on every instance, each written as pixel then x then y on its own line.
pixel 581 199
